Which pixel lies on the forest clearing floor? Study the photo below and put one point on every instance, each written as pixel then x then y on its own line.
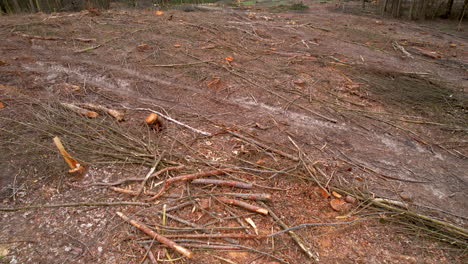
pixel 290 99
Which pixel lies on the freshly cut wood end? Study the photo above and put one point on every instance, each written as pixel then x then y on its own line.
pixel 92 114
pixel 151 118
pixel 262 211
pixel 183 251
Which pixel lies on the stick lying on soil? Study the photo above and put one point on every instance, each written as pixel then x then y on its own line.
pixel 187 177
pixel 251 196
pixel 173 120
pixel 80 110
pixel 72 205
pixel 245 205
pixel 226 235
pixel 294 236
pixel 118 115
pixel 235 184
pixel 133 179
pixel 156 236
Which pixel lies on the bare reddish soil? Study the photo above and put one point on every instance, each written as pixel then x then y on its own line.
pixel 377 105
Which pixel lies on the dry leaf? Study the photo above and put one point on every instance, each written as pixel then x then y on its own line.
pixel 229 59
pixel 158 13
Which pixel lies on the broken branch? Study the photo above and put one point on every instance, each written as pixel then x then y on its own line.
pixel 235 184
pixel 244 205
pixel 156 236
pixel 187 177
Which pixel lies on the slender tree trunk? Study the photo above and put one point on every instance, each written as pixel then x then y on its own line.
pixel 463 12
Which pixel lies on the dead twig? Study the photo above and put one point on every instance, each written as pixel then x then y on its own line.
pixel 264 146
pixel 150 173
pixel 173 120
pixel 225 235
pixel 251 196
pixel 73 205
pixel 244 205
pixel 294 236
pixel 187 177
pixel 134 179
pixel 235 184
pixel 79 110
pixel 178 65
pixel 118 115
pixel 156 236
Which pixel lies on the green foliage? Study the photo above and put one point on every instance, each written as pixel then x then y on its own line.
pixel 299 6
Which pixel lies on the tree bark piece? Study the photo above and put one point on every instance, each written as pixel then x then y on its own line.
pixel 235 184
pixel 152 234
pixel 187 177
pixel 244 205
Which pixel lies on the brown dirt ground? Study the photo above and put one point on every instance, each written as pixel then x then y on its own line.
pixel 331 82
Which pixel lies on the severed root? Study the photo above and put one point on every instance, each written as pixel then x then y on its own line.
pixel 236 184
pixel 156 236
pixel 118 115
pixel 187 177
pixel 74 165
pixel 79 110
pixel 245 205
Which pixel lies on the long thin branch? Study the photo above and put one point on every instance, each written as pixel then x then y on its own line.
pixel 187 177
pixel 173 120
pixel 294 236
pixel 72 205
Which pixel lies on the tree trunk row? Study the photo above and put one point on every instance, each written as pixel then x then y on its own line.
pixel 20 6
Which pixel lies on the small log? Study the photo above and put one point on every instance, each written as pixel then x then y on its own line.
pixel 187 177
pixel 79 110
pixel 244 205
pixel 118 115
pixel 251 196
pixel 156 236
pixel 235 184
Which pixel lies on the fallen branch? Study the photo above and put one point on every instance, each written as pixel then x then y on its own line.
pixel 133 179
pixel 74 165
pixel 178 65
pixel 235 184
pixel 264 146
pixel 173 120
pixel 226 235
pixel 72 205
pixel 397 46
pixel 251 196
pixel 187 177
pixel 156 236
pixel 39 37
pixel 118 115
pixel 293 235
pixel 80 110
pixel 244 205
pixel 150 173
